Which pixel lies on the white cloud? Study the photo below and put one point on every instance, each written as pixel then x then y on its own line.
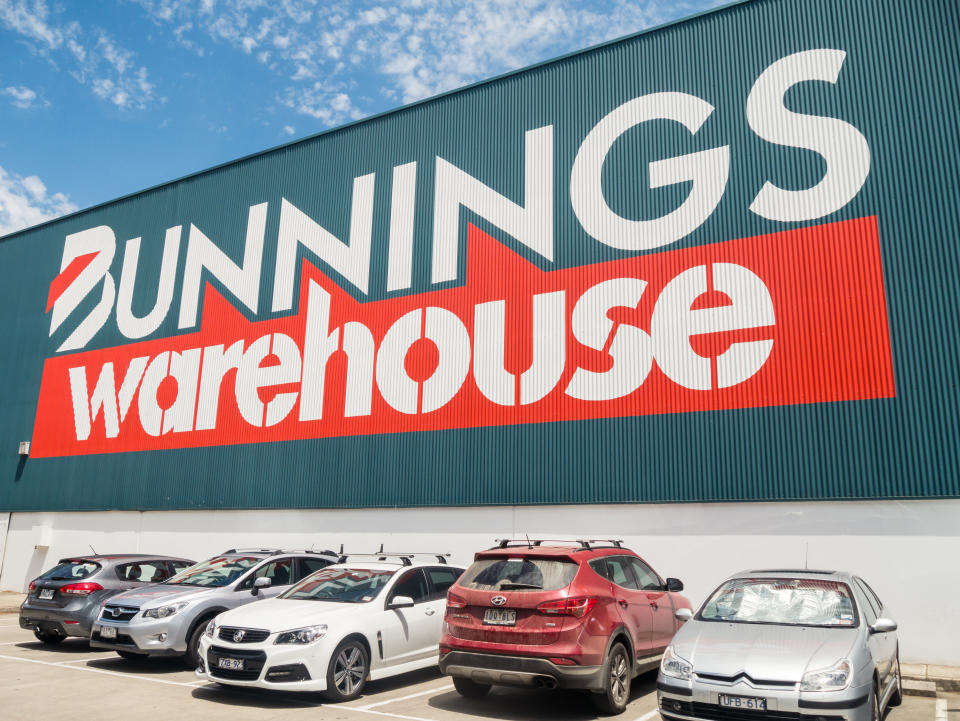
pixel 289 129
pixel 23 97
pixel 24 202
pixel 92 56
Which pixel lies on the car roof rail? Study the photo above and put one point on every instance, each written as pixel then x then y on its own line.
pixel 585 544
pixel 406 558
pixel 271 551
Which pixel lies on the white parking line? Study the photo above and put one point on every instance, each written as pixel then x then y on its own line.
pixel 85 659
pixel 647 715
pixel 383 713
pixel 941 709
pixel 94 670
pixel 404 698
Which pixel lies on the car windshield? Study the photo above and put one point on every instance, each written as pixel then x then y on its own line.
pixel 220 571
pixel 786 601
pixel 71 571
pixel 341 585
pixel 519 574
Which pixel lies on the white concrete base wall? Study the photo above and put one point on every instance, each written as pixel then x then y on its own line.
pixel 907 550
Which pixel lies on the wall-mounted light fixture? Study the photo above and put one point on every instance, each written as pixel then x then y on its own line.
pixel 24 448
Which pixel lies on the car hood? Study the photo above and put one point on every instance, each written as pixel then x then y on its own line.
pixel 279 614
pixel 762 652
pixel 159 595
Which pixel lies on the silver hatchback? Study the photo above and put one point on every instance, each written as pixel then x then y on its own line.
pixel 783 645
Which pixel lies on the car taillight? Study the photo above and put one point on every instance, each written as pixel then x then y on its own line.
pixel 562 661
pixel 81 589
pixel 32 587
pixel 568 607
pixel 455 601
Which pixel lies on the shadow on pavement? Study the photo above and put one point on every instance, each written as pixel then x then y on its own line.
pixel 520 704
pixel 256 697
pixel 145 666
pixel 71 646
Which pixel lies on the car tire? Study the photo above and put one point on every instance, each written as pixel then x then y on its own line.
pixel 896 698
pixel 51 639
pixel 875 703
pixel 617 675
pixel 192 657
pixel 470 689
pixel 347 671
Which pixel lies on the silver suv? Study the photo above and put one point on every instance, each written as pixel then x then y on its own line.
pixel 168 619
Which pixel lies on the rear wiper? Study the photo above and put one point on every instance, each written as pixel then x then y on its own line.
pixel 515 586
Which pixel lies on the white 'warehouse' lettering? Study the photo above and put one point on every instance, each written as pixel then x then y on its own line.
pixel 198 373
pixel 531 223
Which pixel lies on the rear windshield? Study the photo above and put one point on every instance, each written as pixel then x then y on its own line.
pixel 785 601
pixel 519 574
pixel 71 571
pixel 221 571
pixel 340 585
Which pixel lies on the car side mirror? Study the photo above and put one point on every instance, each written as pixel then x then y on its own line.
pixel 400 602
pixel 674 584
pixel 883 625
pixel 683 614
pixel 259 583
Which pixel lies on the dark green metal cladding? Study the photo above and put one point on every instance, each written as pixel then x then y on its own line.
pixel 899 86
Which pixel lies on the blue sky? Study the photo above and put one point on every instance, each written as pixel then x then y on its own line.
pixel 101 98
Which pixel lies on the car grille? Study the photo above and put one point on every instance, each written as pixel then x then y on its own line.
pixel 712 712
pixel 253 662
pixel 754 681
pixel 250 635
pixel 118 613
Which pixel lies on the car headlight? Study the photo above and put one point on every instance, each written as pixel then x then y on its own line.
pixel 211 627
pixel 835 678
pixel 165 611
pixel 674 666
pixel 308 634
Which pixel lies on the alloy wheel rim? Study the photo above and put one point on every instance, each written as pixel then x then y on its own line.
pixel 348 670
pixel 618 678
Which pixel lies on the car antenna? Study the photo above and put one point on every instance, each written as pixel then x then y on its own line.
pixel 529 545
pixel 806 555
pixel 93 549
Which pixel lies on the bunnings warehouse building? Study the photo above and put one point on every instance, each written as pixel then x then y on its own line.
pixel 696 289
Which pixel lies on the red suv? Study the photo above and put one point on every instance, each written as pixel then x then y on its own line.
pixel 586 615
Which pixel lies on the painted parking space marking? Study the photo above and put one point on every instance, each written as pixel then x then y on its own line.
pixel 941 710
pixel 442 689
pixel 384 713
pixel 85 659
pixel 55 664
pixel 648 715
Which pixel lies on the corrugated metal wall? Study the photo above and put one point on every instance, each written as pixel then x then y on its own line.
pixel 898 86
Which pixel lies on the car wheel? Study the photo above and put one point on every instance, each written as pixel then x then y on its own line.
pixel 192 656
pixel 470 689
pixel 617 675
pixel 51 639
pixel 347 672
pixel 896 697
pixel 874 704
pixel 130 655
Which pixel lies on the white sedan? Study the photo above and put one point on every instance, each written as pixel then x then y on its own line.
pixel 334 630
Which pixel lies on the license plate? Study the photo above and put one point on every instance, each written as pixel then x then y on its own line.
pixel 108 632
pixel 232 664
pixel 500 617
pixel 751 703
pixel 45 594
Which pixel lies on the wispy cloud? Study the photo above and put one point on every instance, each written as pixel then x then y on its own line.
pixel 413 48
pixel 24 202
pixel 23 97
pixel 93 57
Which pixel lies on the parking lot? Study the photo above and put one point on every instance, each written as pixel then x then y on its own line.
pixel 71 680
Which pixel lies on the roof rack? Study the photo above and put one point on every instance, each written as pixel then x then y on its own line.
pixel 277 551
pixel 585 544
pixel 252 550
pixel 406 558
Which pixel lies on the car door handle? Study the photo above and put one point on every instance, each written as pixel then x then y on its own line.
pixel 653 604
pixel 430 611
pixel 623 602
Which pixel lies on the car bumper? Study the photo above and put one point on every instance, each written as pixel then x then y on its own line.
pixel 699 701
pixel 150 637
pixel 265 666
pixel 486 668
pixel 65 622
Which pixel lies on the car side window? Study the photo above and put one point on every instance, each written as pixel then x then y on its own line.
pixel 617 569
pixel 647 578
pixel 142 572
pixel 179 565
pixel 871 594
pixel 280 573
pixel 311 565
pixel 441 579
pixel 413 584
pixel 865 605
pixel 871 598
